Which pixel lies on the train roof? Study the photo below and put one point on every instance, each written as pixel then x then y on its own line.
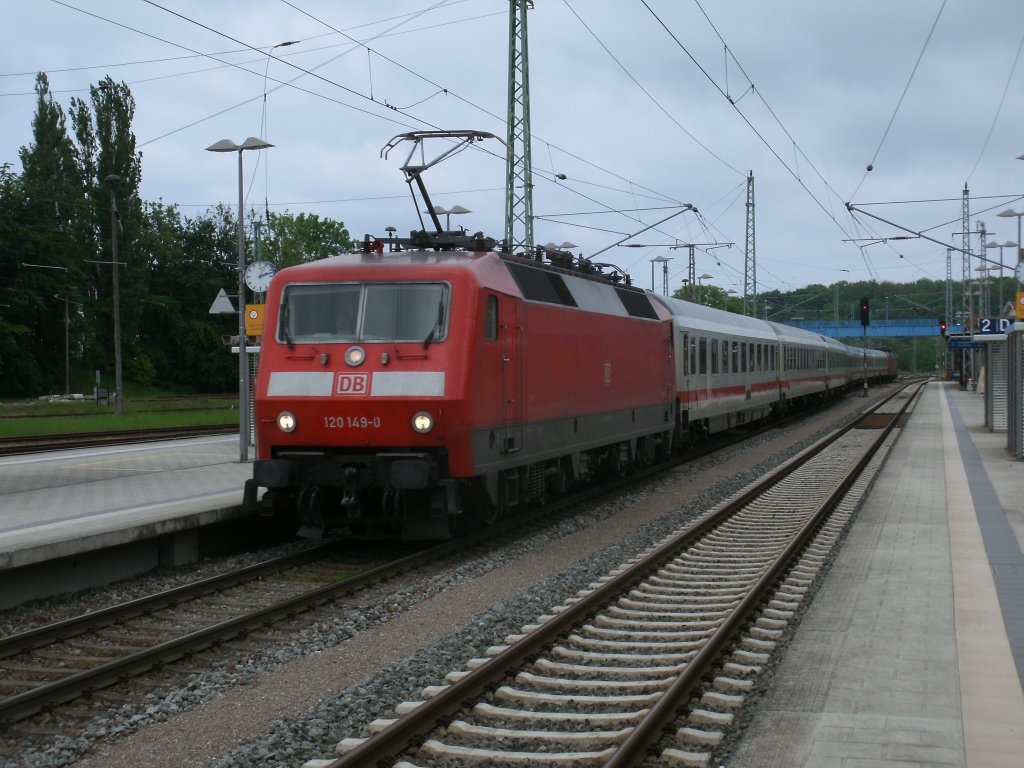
pixel 700 318
pixel 398 258
pixel 794 335
pixel 528 278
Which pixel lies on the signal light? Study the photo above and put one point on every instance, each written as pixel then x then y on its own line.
pixel 865 312
pixel 942 326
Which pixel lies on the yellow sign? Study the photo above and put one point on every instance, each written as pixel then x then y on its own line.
pixel 254 319
pixel 1020 305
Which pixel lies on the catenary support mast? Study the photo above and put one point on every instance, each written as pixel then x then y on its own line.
pixel 519 171
pixel 750 255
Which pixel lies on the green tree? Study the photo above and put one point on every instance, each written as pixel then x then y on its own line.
pixel 41 211
pixel 306 237
pixel 105 146
pixel 20 374
pixel 188 261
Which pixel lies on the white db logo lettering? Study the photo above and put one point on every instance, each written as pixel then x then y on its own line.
pixel 352 384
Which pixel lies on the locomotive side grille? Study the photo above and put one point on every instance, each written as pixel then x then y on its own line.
pixel 541 285
pixel 564 296
pixel 636 303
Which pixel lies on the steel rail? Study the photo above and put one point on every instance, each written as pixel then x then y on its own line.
pixel 62 630
pixel 408 730
pixel 22 705
pixel 648 731
pixel 42 443
pixel 27 703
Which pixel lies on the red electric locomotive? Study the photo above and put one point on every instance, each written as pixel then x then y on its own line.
pixel 403 394
pixel 397 392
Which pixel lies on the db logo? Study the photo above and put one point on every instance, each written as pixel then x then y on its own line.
pixel 352 384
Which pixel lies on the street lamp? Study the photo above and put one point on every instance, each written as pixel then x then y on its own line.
pixel 700 286
pixel 67 342
pixel 836 306
pixel 1009 213
pixel 111 181
pixel 226 145
pixel 663 260
pixel 447 213
pixel 983 291
pixel 1000 246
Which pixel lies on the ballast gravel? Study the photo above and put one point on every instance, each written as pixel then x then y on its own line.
pixel 294 700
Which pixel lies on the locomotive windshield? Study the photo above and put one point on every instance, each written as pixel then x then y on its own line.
pixel 339 312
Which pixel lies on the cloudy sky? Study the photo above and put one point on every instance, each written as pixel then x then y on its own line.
pixel 643 106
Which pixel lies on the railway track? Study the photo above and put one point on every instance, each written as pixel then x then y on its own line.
pixel 655 658
pixel 50 668
pixel 43 443
pixel 47 667
pixel 43 668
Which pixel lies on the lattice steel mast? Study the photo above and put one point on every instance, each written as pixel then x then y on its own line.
pixel 750 255
pixel 519 169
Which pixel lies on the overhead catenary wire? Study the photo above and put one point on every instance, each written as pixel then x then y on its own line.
pixel 892 119
pixel 643 117
pixel 999 109
pixel 291 83
pixel 745 119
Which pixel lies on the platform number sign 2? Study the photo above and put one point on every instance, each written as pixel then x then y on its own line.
pixel 994 324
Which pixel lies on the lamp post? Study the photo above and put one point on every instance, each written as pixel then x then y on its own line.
pixel 447 213
pixel 837 295
pixel 663 260
pixel 244 428
pixel 700 286
pixel 67 341
pixel 111 181
pixel 984 299
pixel 1009 213
pixel 1000 246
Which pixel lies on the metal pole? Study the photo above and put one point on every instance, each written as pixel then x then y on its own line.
pixel 865 368
pixel 243 355
pixel 244 421
pixel 67 350
pixel 118 383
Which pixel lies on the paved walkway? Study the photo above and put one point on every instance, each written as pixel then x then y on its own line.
pixel 907 655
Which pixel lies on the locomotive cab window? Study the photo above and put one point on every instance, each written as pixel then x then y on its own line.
pixel 346 312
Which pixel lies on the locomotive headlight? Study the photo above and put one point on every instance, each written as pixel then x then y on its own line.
pixel 286 421
pixel 423 422
pixel 355 356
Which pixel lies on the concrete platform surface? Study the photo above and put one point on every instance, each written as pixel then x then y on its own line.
pixel 66 503
pixel 912 653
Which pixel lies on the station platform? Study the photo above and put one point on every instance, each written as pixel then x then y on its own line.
pixel 912 653
pixel 57 508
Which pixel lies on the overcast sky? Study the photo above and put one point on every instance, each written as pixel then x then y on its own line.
pixel 628 101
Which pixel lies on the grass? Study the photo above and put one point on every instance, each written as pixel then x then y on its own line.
pixel 35 417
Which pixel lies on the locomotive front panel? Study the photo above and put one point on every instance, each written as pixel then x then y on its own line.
pixel 359 400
